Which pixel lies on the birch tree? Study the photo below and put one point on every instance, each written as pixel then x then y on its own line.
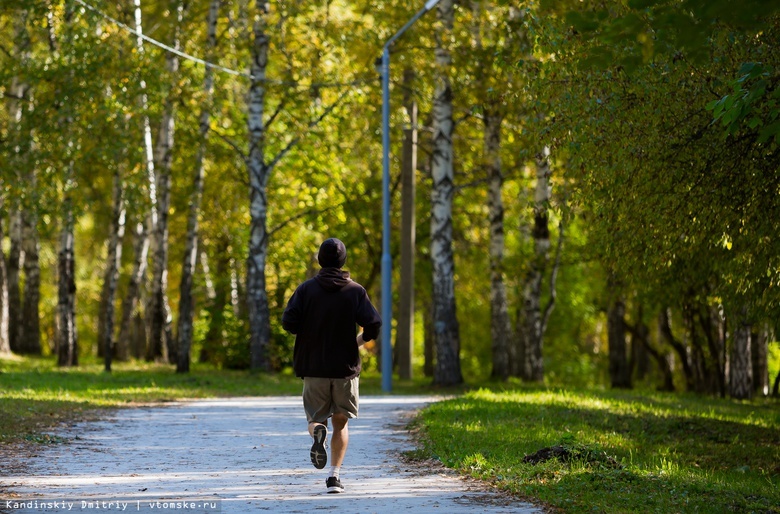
pixel 533 319
pixel 259 171
pixel 19 94
pixel 31 321
pixel 145 227
pixel 13 273
pixel 160 345
pixel 500 329
pixel 67 337
pixel 111 276
pixel 741 364
pixel 5 346
pixel 191 245
pixel 445 321
pixel 487 39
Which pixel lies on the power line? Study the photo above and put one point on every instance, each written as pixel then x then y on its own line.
pixel 163 45
pixel 212 65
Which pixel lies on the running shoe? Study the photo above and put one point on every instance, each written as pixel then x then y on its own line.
pixel 319 456
pixel 334 485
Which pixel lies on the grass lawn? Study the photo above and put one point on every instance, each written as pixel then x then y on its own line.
pixel 36 395
pixel 628 451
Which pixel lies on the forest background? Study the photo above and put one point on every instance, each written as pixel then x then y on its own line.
pixel 595 184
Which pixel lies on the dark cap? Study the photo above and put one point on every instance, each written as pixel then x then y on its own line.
pixel 332 254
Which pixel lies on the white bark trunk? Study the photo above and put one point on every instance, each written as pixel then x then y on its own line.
pixel 531 331
pixel 130 303
pixel 191 248
pixel 111 278
pixel 15 263
pixel 20 142
pixel 760 354
pixel 445 321
pixel 500 328
pixel 619 370
pixel 143 231
pixel 741 363
pixel 5 346
pixel 160 346
pixel 148 147
pixel 31 331
pixel 257 296
pixel 67 336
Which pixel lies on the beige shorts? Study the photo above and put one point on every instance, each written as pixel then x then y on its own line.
pixel 323 397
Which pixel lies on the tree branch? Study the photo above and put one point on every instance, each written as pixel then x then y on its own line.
pixel 294 141
pixel 231 144
pixel 298 216
pixel 273 117
pixel 553 279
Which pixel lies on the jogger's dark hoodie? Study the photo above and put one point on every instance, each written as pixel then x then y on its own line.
pixel 323 313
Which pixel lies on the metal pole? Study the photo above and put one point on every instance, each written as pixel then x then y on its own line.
pixel 387 260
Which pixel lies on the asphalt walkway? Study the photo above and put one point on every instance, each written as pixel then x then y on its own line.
pixel 241 455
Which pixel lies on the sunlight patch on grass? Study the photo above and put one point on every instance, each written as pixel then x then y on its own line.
pixel 626 451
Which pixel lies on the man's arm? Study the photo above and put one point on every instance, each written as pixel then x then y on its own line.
pixel 291 315
pixel 368 318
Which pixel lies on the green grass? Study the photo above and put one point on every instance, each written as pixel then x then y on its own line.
pixel 643 452
pixel 646 452
pixel 36 395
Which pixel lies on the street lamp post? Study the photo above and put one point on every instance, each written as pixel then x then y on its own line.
pixel 387 260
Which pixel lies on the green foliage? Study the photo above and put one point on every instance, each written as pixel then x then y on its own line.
pixel 754 103
pixel 681 209
pixel 627 452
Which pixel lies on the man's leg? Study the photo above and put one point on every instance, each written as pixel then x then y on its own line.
pixel 339 440
pixel 313 425
pixel 318 453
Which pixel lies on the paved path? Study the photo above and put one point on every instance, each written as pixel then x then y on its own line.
pixel 238 456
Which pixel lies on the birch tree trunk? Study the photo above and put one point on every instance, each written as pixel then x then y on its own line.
pixel 15 263
pixel 130 304
pixel 445 320
pixel 5 346
pixel 160 346
pixel 111 278
pixel 500 329
pixel 405 333
pixel 531 329
pixel 619 370
pixel 760 354
pixel 191 245
pixel 741 364
pixel 142 232
pixel 257 296
pixel 67 337
pixel 714 328
pixel 31 330
pixel 20 142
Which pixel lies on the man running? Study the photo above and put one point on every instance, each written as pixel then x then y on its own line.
pixel 324 313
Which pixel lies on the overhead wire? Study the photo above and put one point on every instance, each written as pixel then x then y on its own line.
pixel 218 67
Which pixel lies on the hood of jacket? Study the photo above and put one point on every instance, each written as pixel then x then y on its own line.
pixel 333 279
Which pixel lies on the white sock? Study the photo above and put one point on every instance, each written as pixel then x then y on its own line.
pixel 334 471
